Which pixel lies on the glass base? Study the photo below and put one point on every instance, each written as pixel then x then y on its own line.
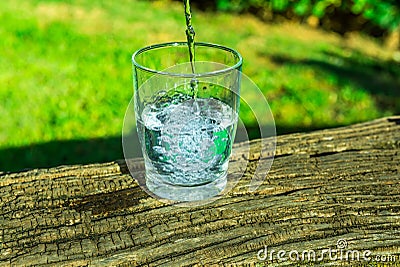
pixel 186 193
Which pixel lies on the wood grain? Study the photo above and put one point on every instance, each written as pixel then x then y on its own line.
pixel 324 186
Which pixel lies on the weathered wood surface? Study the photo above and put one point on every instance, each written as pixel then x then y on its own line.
pixel 324 186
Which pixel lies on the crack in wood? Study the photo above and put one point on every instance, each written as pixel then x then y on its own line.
pixel 328 153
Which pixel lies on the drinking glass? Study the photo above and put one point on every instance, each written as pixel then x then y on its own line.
pixel 186 117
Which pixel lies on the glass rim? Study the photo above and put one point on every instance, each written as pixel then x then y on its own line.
pixel 237 64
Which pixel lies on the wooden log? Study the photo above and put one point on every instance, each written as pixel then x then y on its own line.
pixel 324 187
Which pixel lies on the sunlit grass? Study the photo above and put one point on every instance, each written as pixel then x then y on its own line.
pixel 65 67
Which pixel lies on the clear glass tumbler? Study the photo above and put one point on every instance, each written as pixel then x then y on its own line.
pixel 186 117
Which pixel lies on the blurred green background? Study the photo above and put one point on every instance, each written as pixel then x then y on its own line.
pixel 65 67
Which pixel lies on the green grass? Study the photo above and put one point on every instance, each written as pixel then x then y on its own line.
pixel 65 74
